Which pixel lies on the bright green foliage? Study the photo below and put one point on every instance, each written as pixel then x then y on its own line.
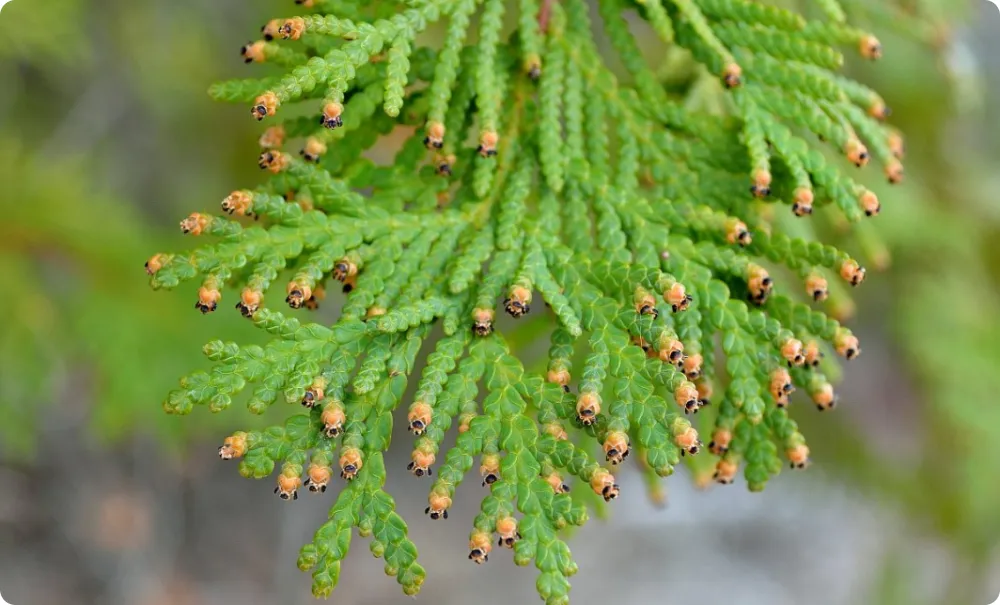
pixel 644 223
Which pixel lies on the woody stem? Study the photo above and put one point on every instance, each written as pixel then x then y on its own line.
pixel 543 15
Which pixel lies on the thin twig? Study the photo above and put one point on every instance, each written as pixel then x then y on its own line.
pixel 543 15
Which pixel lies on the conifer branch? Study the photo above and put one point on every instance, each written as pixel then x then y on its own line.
pixel 533 180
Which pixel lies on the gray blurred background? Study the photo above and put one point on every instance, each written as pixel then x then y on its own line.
pixel 107 138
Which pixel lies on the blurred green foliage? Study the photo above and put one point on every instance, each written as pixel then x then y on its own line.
pixel 101 128
pixel 942 298
pixel 82 327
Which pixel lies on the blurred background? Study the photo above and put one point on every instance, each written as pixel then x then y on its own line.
pixel 107 139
